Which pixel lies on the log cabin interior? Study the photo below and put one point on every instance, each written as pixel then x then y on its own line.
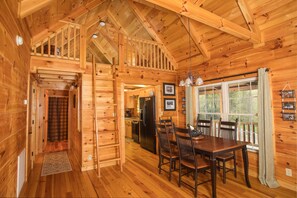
pixel 100 57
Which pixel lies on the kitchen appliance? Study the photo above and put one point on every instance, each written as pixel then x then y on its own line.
pixel 147 123
pixel 135 130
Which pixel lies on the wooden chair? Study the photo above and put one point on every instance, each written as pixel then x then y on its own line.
pixel 204 125
pixel 190 161
pixel 227 130
pixel 166 150
pixel 166 121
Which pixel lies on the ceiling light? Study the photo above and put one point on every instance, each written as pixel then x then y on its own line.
pixel 102 23
pixel 94 36
pixel 19 40
pixel 190 79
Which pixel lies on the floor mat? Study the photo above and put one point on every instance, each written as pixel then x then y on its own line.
pixel 54 163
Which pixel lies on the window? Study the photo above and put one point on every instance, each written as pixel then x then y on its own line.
pixel 231 100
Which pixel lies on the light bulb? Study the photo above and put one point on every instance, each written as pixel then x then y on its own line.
pixel 199 81
pixel 19 40
pixel 188 82
pixel 182 83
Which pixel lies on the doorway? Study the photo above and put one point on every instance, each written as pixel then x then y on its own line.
pixel 57 125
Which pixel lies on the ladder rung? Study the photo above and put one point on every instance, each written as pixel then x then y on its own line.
pixel 103 91
pixel 104 78
pixel 109 145
pixel 109 160
pixel 106 118
pixel 108 131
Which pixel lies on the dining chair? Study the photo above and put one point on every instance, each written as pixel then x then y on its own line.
pixel 190 161
pixel 166 150
pixel 227 130
pixel 205 126
pixel 166 121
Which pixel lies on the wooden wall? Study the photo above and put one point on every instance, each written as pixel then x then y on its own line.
pixel 73 130
pixel 279 55
pixel 14 67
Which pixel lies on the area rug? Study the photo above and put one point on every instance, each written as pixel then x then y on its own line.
pixel 57 162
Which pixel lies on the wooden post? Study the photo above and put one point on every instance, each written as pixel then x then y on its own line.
pixel 121 52
pixel 83 47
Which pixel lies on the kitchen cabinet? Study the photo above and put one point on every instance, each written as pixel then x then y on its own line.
pixel 128 128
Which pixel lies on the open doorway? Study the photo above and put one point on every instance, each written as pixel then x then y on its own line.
pixel 55 120
pixel 57 125
pixel 138 133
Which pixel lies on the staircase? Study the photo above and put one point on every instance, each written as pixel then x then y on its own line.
pixel 106 122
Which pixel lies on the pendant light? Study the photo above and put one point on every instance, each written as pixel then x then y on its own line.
pixel 190 79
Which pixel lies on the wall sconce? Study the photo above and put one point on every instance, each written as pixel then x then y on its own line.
pixel 19 40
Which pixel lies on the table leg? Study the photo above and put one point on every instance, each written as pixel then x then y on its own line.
pixel 213 176
pixel 246 166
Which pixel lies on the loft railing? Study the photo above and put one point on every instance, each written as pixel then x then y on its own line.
pixel 147 54
pixel 64 44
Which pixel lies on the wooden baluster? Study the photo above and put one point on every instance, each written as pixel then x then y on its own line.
pixel 56 45
pixel 48 46
pixel 62 43
pixel 68 41
pixel 74 42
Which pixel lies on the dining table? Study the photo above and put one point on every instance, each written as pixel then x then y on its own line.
pixel 213 146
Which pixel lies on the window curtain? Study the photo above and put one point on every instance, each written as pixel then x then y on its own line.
pixel 57 119
pixel 189 105
pixel 266 148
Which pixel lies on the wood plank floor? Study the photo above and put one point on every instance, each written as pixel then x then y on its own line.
pixel 140 178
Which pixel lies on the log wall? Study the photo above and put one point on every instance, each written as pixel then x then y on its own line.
pixel 14 67
pixel 280 56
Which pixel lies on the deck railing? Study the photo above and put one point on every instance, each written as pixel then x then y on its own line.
pixel 246 132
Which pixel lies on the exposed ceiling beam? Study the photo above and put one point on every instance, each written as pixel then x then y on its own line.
pixel 27 7
pixel 116 23
pixel 248 16
pixel 111 42
pixel 92 4
pixel 199 2
pixel 149 28
pixel 188 9
pixel 102 50
pixel 195 36
pixel 95 54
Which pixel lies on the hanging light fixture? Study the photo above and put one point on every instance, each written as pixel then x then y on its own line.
pixel 190 79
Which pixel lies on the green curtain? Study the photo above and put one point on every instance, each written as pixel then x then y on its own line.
pixel 189 105
pixel 266 148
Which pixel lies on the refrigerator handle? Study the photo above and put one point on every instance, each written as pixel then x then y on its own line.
pixel 143 114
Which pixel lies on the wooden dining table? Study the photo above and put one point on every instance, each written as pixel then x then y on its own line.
pixel 213 146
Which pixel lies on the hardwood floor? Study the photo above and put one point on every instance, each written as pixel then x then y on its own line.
pixel 56 146
pixel 140 178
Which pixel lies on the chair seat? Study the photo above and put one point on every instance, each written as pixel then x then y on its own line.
pixel 225 156
pixel 167 155
pixel 202 163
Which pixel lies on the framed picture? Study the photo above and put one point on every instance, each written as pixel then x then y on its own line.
pixel 289 105
pixel 168 89
pixel 169 104
pixel 288 94
pixel 289 116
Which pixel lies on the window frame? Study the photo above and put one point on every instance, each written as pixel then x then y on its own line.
pixel 225 100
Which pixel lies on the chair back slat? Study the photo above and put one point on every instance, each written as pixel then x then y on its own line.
pixel 185 148
pixel 164 143
pixel 228 129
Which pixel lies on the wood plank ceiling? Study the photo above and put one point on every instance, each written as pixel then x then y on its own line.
pixel 208 26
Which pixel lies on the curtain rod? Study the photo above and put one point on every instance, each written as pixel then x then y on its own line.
pixel 254 72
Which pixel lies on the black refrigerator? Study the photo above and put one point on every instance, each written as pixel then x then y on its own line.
pixel 147 123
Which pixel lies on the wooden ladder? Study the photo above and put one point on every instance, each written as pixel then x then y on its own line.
pixel 106 121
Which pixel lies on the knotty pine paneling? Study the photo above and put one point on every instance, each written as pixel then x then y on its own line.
pixel 75 133
pixel 14 67
pixel 280 56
